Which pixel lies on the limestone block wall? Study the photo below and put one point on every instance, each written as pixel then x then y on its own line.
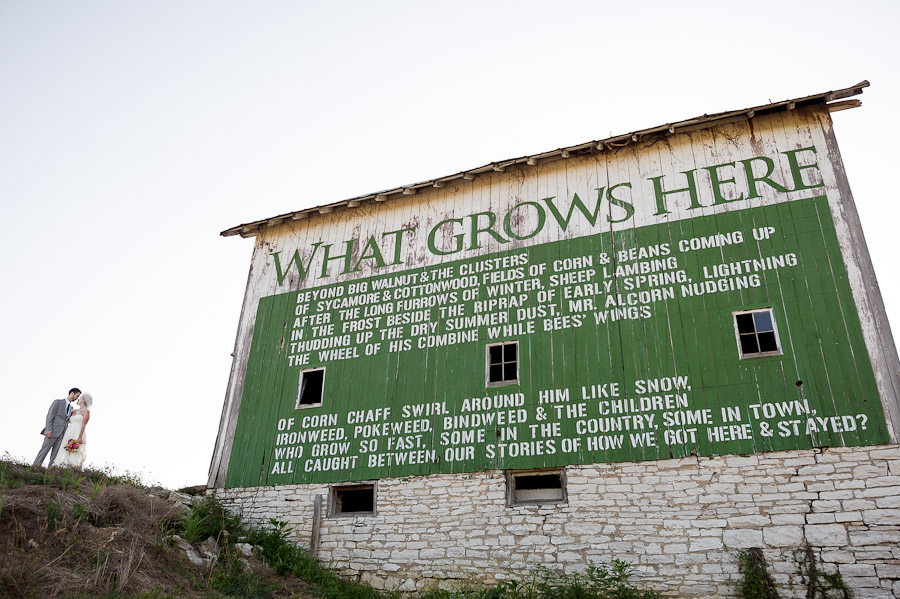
pixel 680 522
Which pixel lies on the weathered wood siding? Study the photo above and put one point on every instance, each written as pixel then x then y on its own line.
pixel 599 329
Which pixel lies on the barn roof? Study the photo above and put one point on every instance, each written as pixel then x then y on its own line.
pixel 700 122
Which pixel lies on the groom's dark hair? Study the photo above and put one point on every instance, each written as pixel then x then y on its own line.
pixel 74 390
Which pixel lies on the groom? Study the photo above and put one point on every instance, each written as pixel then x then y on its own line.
pixel 57 417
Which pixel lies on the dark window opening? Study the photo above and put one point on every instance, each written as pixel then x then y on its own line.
pixel 353 500
pixel 503 363
pixel 536 487
pixel 756 333
pixel 311 384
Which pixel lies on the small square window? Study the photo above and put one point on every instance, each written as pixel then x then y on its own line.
pixel 353 500
pixel 309 391
pixel 503 363
pixel 536 487
pixel 756 333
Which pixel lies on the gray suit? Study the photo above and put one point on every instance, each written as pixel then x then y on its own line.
pixel 57 418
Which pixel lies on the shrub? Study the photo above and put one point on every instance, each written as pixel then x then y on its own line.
pixel 599 581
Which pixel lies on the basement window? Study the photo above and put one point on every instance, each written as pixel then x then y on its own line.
pixel 309 391
pixel 756 333
pixel 502 363
pixel 353 500
pixel 536 487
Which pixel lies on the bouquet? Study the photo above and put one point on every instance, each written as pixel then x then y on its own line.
pixel 73 445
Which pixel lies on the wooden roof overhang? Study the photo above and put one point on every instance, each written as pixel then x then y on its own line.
pixel 834 99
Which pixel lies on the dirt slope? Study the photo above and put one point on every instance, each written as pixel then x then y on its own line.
pixel 73 533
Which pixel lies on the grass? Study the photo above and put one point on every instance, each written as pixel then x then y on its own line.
pixel 54 513
pixel 14 475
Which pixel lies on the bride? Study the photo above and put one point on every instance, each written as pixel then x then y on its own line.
pixel 75 432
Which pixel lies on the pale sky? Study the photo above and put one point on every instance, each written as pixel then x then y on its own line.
pixel 131 134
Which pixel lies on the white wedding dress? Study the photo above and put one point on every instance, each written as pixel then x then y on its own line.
pixel 76 458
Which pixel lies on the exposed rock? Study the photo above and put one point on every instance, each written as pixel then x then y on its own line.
pixel 194 491
pixel 180 543
pixel 204 557
pixel 180 498
pixel 210 549
pixel 196 559
pixel 742 538
pixel 826 535
pixel 783 536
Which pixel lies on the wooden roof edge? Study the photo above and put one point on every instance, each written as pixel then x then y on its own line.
pixel 707 120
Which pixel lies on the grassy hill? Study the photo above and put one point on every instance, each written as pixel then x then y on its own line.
pixel 91 533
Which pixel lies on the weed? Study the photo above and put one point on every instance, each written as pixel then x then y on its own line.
pixel 113 477
pixel 161 540
pixel 80 512
pixel 232 579
pixel 113 594
pixel 131 561
pixel 101 576
pixel 192 526
pixel 820 584
pixel 217 522
pixel 599 581
pixel 463 593
pixel 65 479
pixel 756 582
pixel 97 488
pixel 54 513
pixel 514 589
pixel 19 577
pixel 100 559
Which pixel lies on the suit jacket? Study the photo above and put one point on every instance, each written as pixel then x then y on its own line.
pixel 57 418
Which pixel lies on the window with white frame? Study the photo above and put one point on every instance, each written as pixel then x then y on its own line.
pixel 309 390
pixel 352 500
pixel 757 334
pixel 536 487
pixel 502 363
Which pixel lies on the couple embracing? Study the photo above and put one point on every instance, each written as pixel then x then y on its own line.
pixel 66 423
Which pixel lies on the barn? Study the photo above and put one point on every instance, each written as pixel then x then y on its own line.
pixel 664 347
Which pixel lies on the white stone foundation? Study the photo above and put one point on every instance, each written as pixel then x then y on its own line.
pixel 680 522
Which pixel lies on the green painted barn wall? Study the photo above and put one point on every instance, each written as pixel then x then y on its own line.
pixel 690 337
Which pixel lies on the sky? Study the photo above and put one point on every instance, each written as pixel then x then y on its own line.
pixel 132 134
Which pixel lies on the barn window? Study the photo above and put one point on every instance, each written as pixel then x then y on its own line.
pixel 503 363
pixel 536 487
pixel 309 392
pixel 756 333
pixel 353 500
